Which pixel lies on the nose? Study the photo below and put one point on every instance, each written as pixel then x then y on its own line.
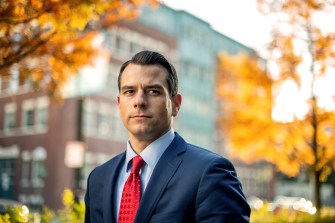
pixel 140 100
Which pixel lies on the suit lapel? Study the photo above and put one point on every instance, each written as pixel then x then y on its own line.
pixel 109 190
pixel 163 172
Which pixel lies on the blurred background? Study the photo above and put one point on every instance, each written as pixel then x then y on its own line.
pixel 257 80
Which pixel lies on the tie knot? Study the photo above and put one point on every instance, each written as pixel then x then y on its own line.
pixel 137 164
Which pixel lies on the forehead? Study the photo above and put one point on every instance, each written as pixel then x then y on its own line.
pixel 144 74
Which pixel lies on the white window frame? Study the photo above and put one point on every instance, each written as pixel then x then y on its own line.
pixel 10 109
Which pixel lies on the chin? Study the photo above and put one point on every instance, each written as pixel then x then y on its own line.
pixel 146 135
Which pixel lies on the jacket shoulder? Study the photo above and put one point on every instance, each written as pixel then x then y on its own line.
pixel 205 155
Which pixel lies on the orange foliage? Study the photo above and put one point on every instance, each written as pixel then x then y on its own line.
pixel 304 43
pixel 245 89
pixel 49 40
pixel 252 135
pixel 300 48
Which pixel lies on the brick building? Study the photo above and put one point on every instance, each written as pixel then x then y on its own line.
pixel 35 130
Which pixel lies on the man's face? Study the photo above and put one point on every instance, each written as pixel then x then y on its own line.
pixel 145 106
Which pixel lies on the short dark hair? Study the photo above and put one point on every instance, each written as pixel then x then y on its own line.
pixel 151 58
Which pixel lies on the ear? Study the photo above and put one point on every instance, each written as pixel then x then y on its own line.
pixel 176 103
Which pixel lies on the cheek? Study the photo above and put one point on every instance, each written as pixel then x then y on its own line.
pixel 122 110
pixel 123 104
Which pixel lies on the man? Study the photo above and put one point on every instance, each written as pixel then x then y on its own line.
pixel 160 177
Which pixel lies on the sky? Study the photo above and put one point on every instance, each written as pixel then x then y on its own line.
pixel 237 19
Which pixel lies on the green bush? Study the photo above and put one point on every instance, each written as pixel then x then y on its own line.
pixel 263 215
pixel 15 214
pixel 4 218
pixel 72 212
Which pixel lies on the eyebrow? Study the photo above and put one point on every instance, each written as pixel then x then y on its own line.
pixel 126 87
pixel 156 86
pixel 153 86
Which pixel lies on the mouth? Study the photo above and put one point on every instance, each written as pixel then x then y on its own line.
pixel 140 116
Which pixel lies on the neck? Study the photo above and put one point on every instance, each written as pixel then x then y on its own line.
pixel 139 144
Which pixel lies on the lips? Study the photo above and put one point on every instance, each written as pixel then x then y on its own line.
pixel 140 116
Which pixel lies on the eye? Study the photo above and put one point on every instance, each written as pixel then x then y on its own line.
pixel 153 92
pixel 128 92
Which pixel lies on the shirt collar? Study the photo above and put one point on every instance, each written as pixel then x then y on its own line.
pixel 152 152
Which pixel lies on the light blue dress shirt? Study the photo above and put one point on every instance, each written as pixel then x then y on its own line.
pixel 150 155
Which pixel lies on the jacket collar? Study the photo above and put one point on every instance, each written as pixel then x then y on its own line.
pixel 163 172
pixel 113 169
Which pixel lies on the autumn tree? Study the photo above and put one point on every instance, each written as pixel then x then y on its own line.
pixel 47 41
pixel 303 54
pixel 245 111
pixel 299 41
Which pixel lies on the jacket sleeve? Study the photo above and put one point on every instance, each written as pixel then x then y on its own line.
pixel 220 198
pixel 87 202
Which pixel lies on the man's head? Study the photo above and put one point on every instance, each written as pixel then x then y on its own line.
pixel 153 58
pixel 148 98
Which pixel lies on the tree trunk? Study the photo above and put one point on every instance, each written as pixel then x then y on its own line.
pixel 317 190
pixel 316 169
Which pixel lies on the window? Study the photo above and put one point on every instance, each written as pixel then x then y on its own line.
pixel 26 157
pixel 38 172
pixel 28 114
pixel 121 46
pixel 29 117
pixel 42 108
pixel 88 117
pixel 14 80
pixel 103 127
pixel 103 119
pixel 7 177
pixel 42 115
pixel 10 112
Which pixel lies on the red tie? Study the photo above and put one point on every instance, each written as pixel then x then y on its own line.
pixel 131 194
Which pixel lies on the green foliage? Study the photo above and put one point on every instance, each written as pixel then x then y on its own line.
pixel 4 218
pixel 47 215
pixel 72 212
pixel 15 214
pixel 327 215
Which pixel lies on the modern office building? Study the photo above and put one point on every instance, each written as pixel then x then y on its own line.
pixel 198 46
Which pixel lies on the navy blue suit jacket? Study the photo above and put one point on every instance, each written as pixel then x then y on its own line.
pixel 189 184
